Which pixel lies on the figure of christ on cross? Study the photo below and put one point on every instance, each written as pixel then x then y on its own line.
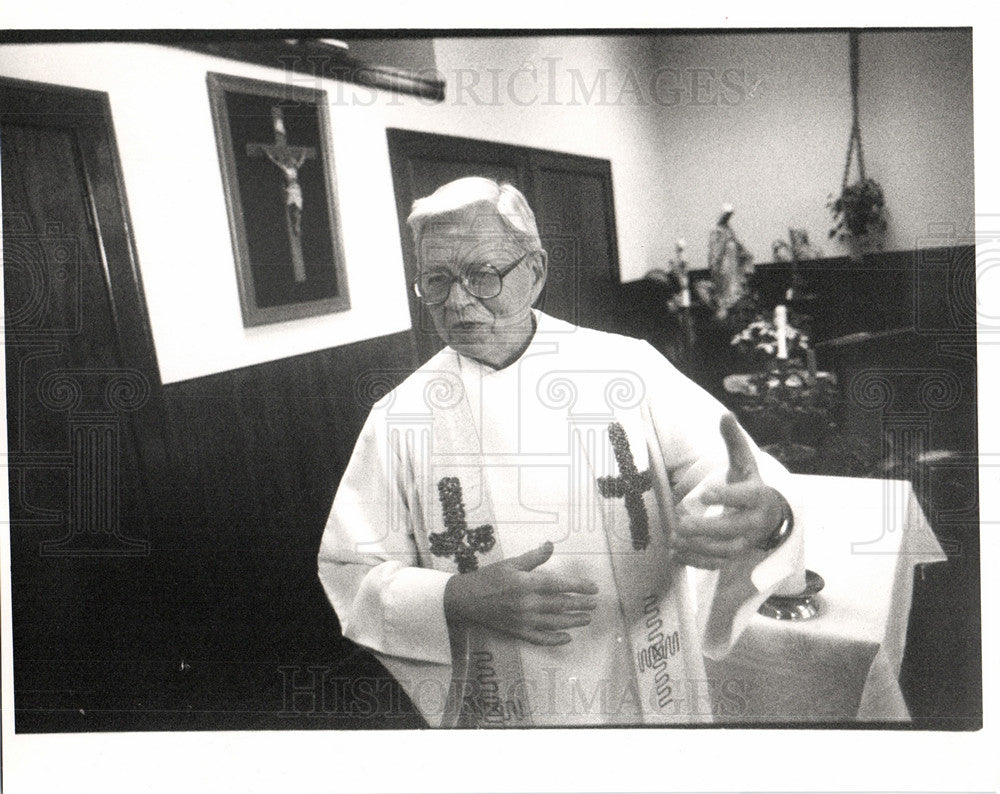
pixel 289 160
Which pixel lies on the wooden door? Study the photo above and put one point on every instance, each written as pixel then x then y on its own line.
pixel 85 454
pixel 573 203
pixel 574 206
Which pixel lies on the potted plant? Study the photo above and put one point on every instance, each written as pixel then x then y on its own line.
pixel 859 215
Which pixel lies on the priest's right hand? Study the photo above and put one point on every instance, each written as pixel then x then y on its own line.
pixel 512 597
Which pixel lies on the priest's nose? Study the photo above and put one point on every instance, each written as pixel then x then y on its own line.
pixel 458 297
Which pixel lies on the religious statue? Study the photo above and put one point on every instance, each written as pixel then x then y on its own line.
pixel 798 249
pixel 679 269
pixel 289 166
pixel 288 159
pixel 730 264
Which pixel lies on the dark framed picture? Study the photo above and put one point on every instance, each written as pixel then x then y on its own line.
pixel 278 177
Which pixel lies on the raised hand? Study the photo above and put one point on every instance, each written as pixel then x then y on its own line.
pixel 747 509
pixel 512 597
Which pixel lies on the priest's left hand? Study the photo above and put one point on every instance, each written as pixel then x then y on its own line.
pixel 750 510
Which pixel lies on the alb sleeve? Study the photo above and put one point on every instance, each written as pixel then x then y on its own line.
pixel 368 559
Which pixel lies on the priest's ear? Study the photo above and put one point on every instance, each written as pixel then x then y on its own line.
pixel 538 266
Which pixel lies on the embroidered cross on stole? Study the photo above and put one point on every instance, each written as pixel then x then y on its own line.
pixel 630 485
pixel 458 540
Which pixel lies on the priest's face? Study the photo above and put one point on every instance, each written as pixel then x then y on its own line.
pixel 494 330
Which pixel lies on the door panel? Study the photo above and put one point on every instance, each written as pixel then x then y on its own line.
pixel 83 442
pixel 579 234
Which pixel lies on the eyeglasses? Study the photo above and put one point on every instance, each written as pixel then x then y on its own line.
pixel 480 280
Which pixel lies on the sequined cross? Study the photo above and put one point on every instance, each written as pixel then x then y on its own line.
pixel 630 484
pixel 458 540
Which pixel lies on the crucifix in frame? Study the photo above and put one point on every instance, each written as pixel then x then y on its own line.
pixel 278 177
pixel 288 159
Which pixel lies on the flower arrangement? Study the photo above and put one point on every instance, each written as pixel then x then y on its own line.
pixel 785 405
pixel 859 214
pixel 760 339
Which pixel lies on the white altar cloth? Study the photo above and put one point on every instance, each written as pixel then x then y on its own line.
pixel 864 537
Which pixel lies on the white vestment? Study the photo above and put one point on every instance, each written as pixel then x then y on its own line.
pixel 464 462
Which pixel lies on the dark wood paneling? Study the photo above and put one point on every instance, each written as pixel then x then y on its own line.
pixel 930 290
pixel 573 201
pixel 205 630
pixel 276 436
pixel 86 117
pixel 265 447
pixel 226 613
pixel 87 454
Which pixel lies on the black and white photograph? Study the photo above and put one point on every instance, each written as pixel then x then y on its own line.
pixel 370 389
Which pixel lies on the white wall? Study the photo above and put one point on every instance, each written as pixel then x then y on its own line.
pixel 916 122
pixel 687 121
pixel 772 145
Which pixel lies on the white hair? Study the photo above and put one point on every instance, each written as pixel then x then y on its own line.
pixel 505 200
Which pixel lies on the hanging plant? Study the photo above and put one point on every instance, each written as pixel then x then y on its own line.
pixel 859 211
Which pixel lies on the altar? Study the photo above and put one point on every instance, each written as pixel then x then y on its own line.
pixel 866 538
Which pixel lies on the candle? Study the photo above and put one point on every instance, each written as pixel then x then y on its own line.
pixel 278 121
pixel 682 276
pixel 781 330
pixel 811 364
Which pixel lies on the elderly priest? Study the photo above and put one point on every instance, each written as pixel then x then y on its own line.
pixel 545 524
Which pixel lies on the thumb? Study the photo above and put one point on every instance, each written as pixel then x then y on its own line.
pixel 742 464
pixel 532 559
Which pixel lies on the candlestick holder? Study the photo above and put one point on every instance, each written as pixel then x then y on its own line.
pixel 800 606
